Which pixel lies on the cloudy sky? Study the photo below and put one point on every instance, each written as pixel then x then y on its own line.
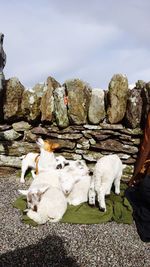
pixel 86 39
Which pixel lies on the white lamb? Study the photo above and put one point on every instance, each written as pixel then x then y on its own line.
pixel 108 169
pixel 45 198
pixel 75 182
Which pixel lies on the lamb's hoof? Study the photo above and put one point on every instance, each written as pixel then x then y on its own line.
pixel 92 205
pixel 102 209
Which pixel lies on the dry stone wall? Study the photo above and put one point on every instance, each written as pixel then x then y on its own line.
pixel 87 123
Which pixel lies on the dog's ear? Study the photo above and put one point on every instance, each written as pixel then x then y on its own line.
pixel 55 145
pixel 23 192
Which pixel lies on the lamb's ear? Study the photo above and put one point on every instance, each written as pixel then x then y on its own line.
pixel 23 192
pixel 43 189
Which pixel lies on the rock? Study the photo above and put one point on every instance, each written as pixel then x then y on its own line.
pixel 79 94
pixel 70 156
pixel 65 136
pixel 134 109
pixel 132 132
pixel 21 126
pixel 31 101
pixel 10 135
pixel 115 146
pixel 113 127
pixel 117 98
pixel 39 130
pixel 140 84
pixel 92 156
pixel 96 111
pixel 10 161
pixel 47 101
pixel 29 137
pixel 4 127
pixel 60 107
pixel 83 143
pixel 12 100
pixel 17 149
pixel 92 127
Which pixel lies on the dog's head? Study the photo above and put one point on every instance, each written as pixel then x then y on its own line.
pixel 34 196
pixel 47 145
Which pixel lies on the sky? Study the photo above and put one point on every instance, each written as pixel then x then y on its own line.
pixel 87 39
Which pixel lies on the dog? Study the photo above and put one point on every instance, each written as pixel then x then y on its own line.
pixel 43 161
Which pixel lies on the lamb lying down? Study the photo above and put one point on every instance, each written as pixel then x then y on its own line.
pixel 46 201
pixel 75 182
pixel 108 170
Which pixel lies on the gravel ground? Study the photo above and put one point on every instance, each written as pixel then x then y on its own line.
pixel 62 245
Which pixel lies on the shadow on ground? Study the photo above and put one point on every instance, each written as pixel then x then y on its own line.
pixel 48 252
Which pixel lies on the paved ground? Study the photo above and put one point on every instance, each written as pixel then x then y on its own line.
pixel 62 245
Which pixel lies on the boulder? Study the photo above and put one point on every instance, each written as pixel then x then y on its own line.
pixel 134 109
pixel 21 126
pixel 60 106
pixel 12 100
pixel 8 161
pixel 10 135
pixel 31 101
pixel 47 101
pixel 79 94
pixel 16 148
pixel 96 112
pixel 117 98
pixel 115 146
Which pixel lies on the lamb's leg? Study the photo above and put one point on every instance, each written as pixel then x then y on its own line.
pixel 35 216
pixel 117 185
pixel 92 193
pixel 101 198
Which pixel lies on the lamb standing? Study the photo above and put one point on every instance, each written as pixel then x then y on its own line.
pixel 108 170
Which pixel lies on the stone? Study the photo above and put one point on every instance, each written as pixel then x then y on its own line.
pixel 83 143
pixel 65 136
pixel 29 137
pixel 9 161
pixel 79 94
pixel 92 156
pixel 31 101
pixel 10 135
pixel 96 112
pixel 114 127
pixel 21 126
pixel 60 107
pixel 17 149
pixel 39 130
pixel 4 127
pixel 117 98
pixel 70 156
pixel 47 101
pixel 132 132
pixel 134 109
pixel 12 100
pixel 115 146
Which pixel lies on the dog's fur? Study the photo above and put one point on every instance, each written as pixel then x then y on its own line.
pixel 40 162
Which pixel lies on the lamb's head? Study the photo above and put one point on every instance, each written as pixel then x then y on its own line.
pixel 68 179
pixel 61 162
pixel 47 145
pixel 34 196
